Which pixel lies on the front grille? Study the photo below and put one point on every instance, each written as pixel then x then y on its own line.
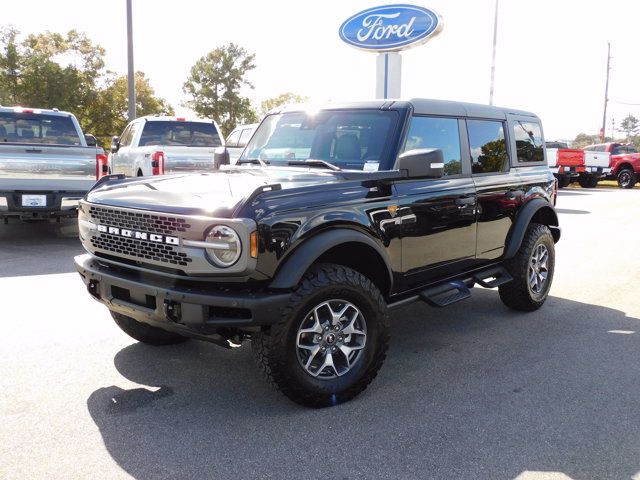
pixel 142 249
pixel 144 222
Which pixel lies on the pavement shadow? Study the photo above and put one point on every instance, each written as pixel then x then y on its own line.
pixel 38 248
pixel 472 391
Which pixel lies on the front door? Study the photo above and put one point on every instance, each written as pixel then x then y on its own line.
pixel 437 217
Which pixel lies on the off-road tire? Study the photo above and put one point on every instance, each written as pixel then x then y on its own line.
pixel 275 348
pixel 146 333
pixel 518 293
pixel 627 178
pixel 588 182
pixel 564 181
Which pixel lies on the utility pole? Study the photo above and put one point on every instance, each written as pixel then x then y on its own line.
pixel 493 57
pixel 131 83
pixel 613 128
pixel 606 91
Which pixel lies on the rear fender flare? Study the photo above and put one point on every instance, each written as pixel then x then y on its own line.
pixel 519 228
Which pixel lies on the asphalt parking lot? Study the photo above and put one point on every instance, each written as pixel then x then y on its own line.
pixel 474 391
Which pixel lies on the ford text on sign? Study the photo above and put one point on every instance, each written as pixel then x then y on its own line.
pixel 390 28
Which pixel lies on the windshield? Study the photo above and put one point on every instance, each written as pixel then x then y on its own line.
pixel 186 134
pixel 351 140
pixel 37 128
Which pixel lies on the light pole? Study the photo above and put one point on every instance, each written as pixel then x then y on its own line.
pixel 493 57
pixel 131 84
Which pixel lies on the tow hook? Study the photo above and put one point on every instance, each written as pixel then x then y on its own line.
pixel 172 311
pixel 93 288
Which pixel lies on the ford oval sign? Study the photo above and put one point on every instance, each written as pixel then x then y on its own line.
pixel 391 27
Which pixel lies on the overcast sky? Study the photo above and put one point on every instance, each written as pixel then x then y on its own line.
pixel 551 56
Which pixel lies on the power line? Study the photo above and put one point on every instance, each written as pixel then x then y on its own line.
pixel 625 103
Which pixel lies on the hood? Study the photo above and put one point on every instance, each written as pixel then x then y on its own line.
pixel 216 194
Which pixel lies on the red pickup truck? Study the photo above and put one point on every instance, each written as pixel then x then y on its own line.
pixel 625 162
pixel 587 167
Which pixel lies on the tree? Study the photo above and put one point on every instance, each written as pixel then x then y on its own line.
pixel 630 126
pixel 214 85
pixel 282 99
pixel 108 114
pixel 582 140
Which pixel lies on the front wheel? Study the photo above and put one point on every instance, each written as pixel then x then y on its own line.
pixel 626 178
pixel 532 271
pixel 331 340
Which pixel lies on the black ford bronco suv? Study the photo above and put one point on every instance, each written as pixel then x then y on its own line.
pixel 329 219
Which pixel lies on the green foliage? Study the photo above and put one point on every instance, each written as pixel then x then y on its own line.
pixel 582 140
pixel 51 70
pixel 108 114
pixel 630 126
pixel 282 99
pixel 214 85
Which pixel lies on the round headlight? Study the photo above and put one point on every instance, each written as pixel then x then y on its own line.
pixel 225 246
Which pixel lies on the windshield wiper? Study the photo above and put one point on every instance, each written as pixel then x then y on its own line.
pixel 315 163
pixel 251 160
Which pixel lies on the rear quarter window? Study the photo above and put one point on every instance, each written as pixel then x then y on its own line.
pixel 528 137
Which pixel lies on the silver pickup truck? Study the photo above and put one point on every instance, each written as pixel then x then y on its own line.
pixel 155 145
pixel 46 164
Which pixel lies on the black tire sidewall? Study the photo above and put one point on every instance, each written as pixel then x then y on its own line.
pixel 621 178
pixel 373 324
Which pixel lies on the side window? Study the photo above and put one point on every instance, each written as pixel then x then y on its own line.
pixel 437 132
pixel 125 138
pixel 232 139
pixel 244 137
pixel 528 136
pixel 488 146
pixel 128 135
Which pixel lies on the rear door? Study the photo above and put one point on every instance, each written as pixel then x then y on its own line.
pixel 498 186
pixel 436 218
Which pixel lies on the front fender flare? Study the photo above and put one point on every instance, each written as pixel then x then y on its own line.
pixel 522 221
pixel 299 261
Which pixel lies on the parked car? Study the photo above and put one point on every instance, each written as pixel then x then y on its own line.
pixel 393 202
pixel 625 162
pixel 238 139
pixel 573 164
pixel 155 145
pixel 46 163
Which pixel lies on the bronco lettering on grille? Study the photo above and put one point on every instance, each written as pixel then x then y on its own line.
pixel 152 237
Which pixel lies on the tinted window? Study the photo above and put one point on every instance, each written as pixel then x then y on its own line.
pixel 186 134
pixel 622 149
pixel 488 146
pixel 37 128
pixel 349 139
pixel 245 136
pixel 442 133
pixel 555 145
pixel 232 140
pixel 127 135
pixel 528 136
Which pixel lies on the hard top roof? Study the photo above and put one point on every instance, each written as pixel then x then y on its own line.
pixel 421 106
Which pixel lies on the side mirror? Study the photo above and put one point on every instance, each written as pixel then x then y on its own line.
pixel 91 140
pixel 220 157
pixel 422 163
pixel 115 144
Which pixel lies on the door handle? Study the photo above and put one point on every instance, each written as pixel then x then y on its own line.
pixel 465 201
pixel 33 150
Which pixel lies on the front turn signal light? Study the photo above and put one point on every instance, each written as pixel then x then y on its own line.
pixel 253 242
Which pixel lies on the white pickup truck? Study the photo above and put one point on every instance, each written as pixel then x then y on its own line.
pixel 46 163
pixel 155 145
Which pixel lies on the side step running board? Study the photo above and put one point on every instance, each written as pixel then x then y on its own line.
pixel 453 291
pixel 445 294
pixel 493 277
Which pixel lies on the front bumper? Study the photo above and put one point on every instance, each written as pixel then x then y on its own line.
pixel 57 204
pixel 193 310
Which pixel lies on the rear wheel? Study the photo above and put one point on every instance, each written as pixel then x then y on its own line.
pixel 331 340
pixel 146 333
pixel 532 270
pixel 626 178
pixel 588 182
pixel 563 181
